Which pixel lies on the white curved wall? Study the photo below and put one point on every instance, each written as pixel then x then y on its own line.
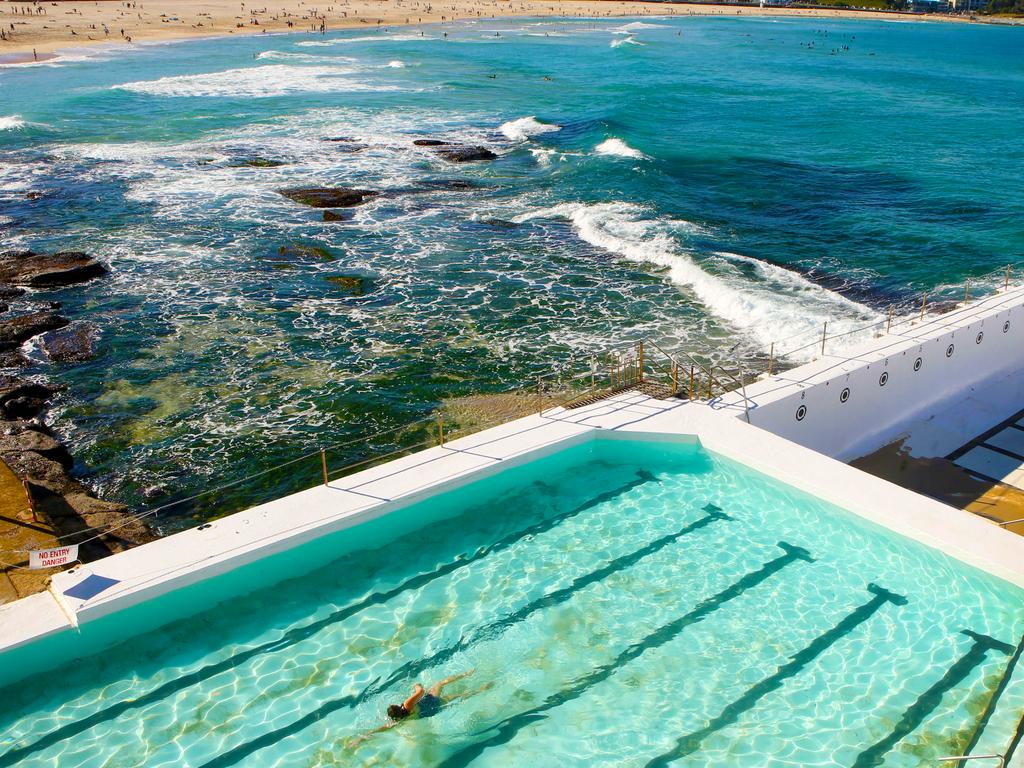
pixel 847 406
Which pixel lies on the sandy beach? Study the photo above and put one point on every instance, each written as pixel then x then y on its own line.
pixel 37 31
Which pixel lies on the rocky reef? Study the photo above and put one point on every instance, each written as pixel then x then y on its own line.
pixel 28 445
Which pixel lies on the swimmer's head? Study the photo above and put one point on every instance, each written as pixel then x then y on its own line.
pixel 397 712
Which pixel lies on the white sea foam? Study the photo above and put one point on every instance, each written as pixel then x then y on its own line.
pixel 307 58
pixel 618 148
pixel 545 156
pixel 396 64
pixel 774 304
pixel 629 40
pixel 11 123
pixel 268 80
pixel 628 29
pixel 402 38
pixel 525 127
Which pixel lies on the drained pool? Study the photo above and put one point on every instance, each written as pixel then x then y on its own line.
pixel 621 602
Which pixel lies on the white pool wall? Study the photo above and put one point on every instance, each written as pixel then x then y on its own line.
pixel 987 360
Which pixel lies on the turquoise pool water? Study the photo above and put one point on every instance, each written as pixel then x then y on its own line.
pixel 622 603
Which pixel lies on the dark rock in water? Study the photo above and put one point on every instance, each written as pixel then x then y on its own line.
pixel 353 284
pixel 337 216
pixel 441 185
pixel 39 270
pixel 152 492
pixel 456 153
pixel 467 154
pixel 73 344
pixel 258 162
pixel 15 330
pixel 12 358
pixel 10 292
pixel 328 197
pixel 346 144
pixel 3 307
pixel 299 252
pixel 17 426
pixel 33 195
pixel 24 407
pixel 37 442
pixel 20 399
pixel 500 223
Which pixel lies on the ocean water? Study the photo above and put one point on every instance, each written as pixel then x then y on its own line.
pixel 622 604
pixel 713 184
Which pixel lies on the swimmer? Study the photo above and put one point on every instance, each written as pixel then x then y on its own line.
pixel 421 704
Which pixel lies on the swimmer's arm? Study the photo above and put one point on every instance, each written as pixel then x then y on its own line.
pixel 368 734
pixel 413 700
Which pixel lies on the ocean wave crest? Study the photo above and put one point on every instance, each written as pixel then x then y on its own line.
pixel 11 123
pixel 628 40
pixel 525 127
pixel 633 26
pixel 618 148
pixel 769 302
pixel 255 82
pixel 402 38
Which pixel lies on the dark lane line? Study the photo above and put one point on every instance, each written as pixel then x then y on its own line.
pixel 507 729
pixel 687 745
pixel 482 633
pixel 928 701
pixel 1011 665
pixel 292 636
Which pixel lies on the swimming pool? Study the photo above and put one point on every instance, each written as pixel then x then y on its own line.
pixel 623 602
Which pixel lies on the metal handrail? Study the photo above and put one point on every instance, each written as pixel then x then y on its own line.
pixel 890 323
pixel 743 390
pixel 710 373
pixel 951 759
pixel 1005 523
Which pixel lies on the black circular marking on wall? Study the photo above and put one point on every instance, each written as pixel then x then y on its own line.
pixel 883 379
pixel 917 364
pixel 801 412
pixel 844 395
pixel 979 337
pixel 949 351
pixel 1006 326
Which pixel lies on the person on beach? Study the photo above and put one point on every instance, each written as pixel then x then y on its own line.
pixel 421 704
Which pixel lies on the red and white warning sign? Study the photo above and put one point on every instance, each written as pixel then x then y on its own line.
pixel 50 558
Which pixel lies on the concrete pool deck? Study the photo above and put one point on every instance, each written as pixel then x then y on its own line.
pixel 141 574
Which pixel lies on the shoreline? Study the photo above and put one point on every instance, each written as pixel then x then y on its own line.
pixel 93 24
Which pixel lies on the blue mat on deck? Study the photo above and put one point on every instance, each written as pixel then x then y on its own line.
pixel 90 587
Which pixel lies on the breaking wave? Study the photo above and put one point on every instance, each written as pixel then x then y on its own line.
pixel 618 148
pixel 403 38
pixel 255 82
pixel 11 123
pixel 629 40
pixel 307 58
pixel 628 29
pixel 769 302
pixel 525 127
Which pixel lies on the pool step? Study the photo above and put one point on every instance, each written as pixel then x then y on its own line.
pixel 649 388
pixel 990 734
